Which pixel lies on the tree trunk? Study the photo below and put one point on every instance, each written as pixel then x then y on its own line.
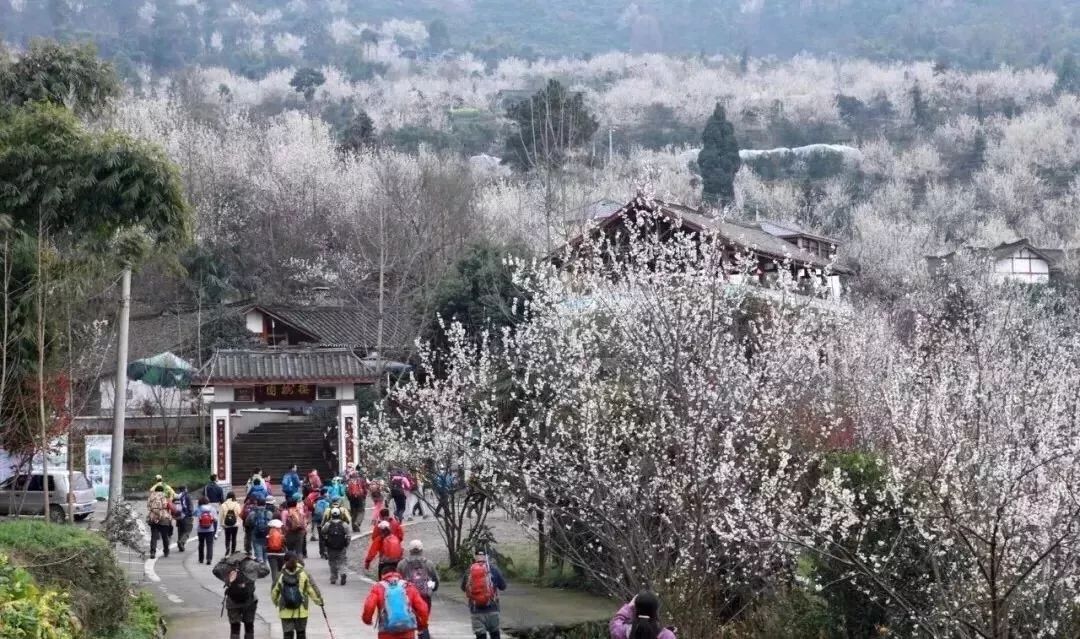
pixel 40 304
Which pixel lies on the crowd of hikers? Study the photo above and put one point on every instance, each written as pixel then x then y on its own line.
pixel 276 536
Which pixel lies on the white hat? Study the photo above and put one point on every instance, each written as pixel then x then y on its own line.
pixel 275 523
pixel 416 546
pixel 384 525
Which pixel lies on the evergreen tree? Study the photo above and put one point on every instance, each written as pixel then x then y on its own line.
pixel 357 134
pixel 718 160
pixel 920 110
pixel 438 36
pixel 1068 75
pixel 306 80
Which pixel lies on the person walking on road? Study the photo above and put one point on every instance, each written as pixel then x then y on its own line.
pixel 318 515
pixel 402 612
pixel 258 489
pixel 213 492
pixel 400 485
pixel 229 515
pixel 290 482
pixel 258 521
pixel 169 492
pixel 159 518
pixel 356 489
pixel 395 525
pixel 336 538
pixel 386 546
pixel 420 571
pixel 206 528
pixel 481 584
pixel 186 519
pixel 275 549
pixel 377 490
pixel 293 593
pixel 238 572
pixel 295 526
pixel 640 619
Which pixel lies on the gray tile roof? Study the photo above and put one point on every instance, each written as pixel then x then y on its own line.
pixel 355 326
pixel 278 365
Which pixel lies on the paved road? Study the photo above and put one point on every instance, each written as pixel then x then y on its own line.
pixel 190 597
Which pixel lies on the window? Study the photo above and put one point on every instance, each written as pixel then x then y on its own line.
pixel 326 392
pixel 1023 266
pixel 244 394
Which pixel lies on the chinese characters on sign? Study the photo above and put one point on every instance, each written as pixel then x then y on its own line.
pixel 285 393
pixel 219 437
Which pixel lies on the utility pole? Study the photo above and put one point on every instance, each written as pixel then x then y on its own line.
pixel 116 470
pixel 610 143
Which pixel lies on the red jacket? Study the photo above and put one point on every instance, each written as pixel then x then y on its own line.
pixel 310 500
pixel 376 548
pixel 395 527
pixel 376 599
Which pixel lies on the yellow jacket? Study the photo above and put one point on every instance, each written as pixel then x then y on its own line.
pixel 308 589
pixel 233 506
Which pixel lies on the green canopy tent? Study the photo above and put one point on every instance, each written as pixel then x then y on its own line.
pixel 165 370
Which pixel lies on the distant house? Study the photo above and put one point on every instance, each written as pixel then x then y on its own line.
pixel 775 246
pixel 1018 261
pixel 190 334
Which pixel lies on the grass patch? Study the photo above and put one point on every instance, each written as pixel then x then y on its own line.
pixel 74 561
pixel 142 621
pixel 586 630
pixel 176 475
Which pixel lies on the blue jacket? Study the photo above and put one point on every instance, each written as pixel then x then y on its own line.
pixel 336 490
pixel 290 483
pixel 213 513
pixel 187 507
pixel 258 492
pixel 214 493
pixel 496 580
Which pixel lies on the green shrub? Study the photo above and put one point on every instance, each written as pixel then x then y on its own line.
pixel 143 621
pixel 194 456
pixel 75 561
pixel 134 451
pixel 30 612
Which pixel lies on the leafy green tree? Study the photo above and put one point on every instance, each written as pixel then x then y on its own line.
pixel 718 159
pixel 306 81
pixel 67 75
pixel 920 108
pixel 358 133
pixel 549 126
pixel 1068 75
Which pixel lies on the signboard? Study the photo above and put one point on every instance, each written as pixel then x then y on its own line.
pixel 285 393
pixel 99 463
pixel 57 455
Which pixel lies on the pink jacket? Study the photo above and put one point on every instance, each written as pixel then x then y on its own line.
pixel 624 619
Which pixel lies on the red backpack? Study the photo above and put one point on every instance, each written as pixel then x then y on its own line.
pixel 275 540
pixel 480 588
pixel 206 520
pixel 355 488
pixel 391 548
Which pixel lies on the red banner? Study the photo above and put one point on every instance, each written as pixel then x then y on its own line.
pixel 285 393
pixel 219 437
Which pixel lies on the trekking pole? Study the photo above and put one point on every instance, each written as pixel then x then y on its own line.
pixel 327 619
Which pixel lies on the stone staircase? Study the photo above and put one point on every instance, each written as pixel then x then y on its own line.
pixel 275 447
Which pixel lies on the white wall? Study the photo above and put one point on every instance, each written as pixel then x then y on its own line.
pixel 171 401
pixel 1022 266
pixel 254 321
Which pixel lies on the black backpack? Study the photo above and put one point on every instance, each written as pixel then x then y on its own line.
pixel 337 538
pixel 291 597
pixel 230 519
pixel 240 590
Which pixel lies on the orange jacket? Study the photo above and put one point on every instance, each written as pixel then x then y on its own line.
pixel 376 599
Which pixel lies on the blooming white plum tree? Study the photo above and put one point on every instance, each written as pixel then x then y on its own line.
pixel 656 412
pixel 968 403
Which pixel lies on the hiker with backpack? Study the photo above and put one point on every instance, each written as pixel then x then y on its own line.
pixel 386 546
pixel 258 489
pixel 313 481
pixel 160 519
pixel 293 593
pixel 206 523
pixel 335 537
pixel 290 482
pixel 400 485
pixel 377 490
pixel 185 520
pixel 275 548
pixel 401 609
pixel 295 526
pixel 158 481
pixel 420 571
pixel 213 492
pixel 395 525
pixel 310 500
pixel 356 491
pixel 640 619
pixel 238 572
pixel 318 514
pixel 229 514
pixel 258 521
pixel 481 584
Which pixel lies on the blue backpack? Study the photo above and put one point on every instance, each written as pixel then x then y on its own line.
pixel 262 523
pixel 290 484
pixel 397 612
pixel 320 508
